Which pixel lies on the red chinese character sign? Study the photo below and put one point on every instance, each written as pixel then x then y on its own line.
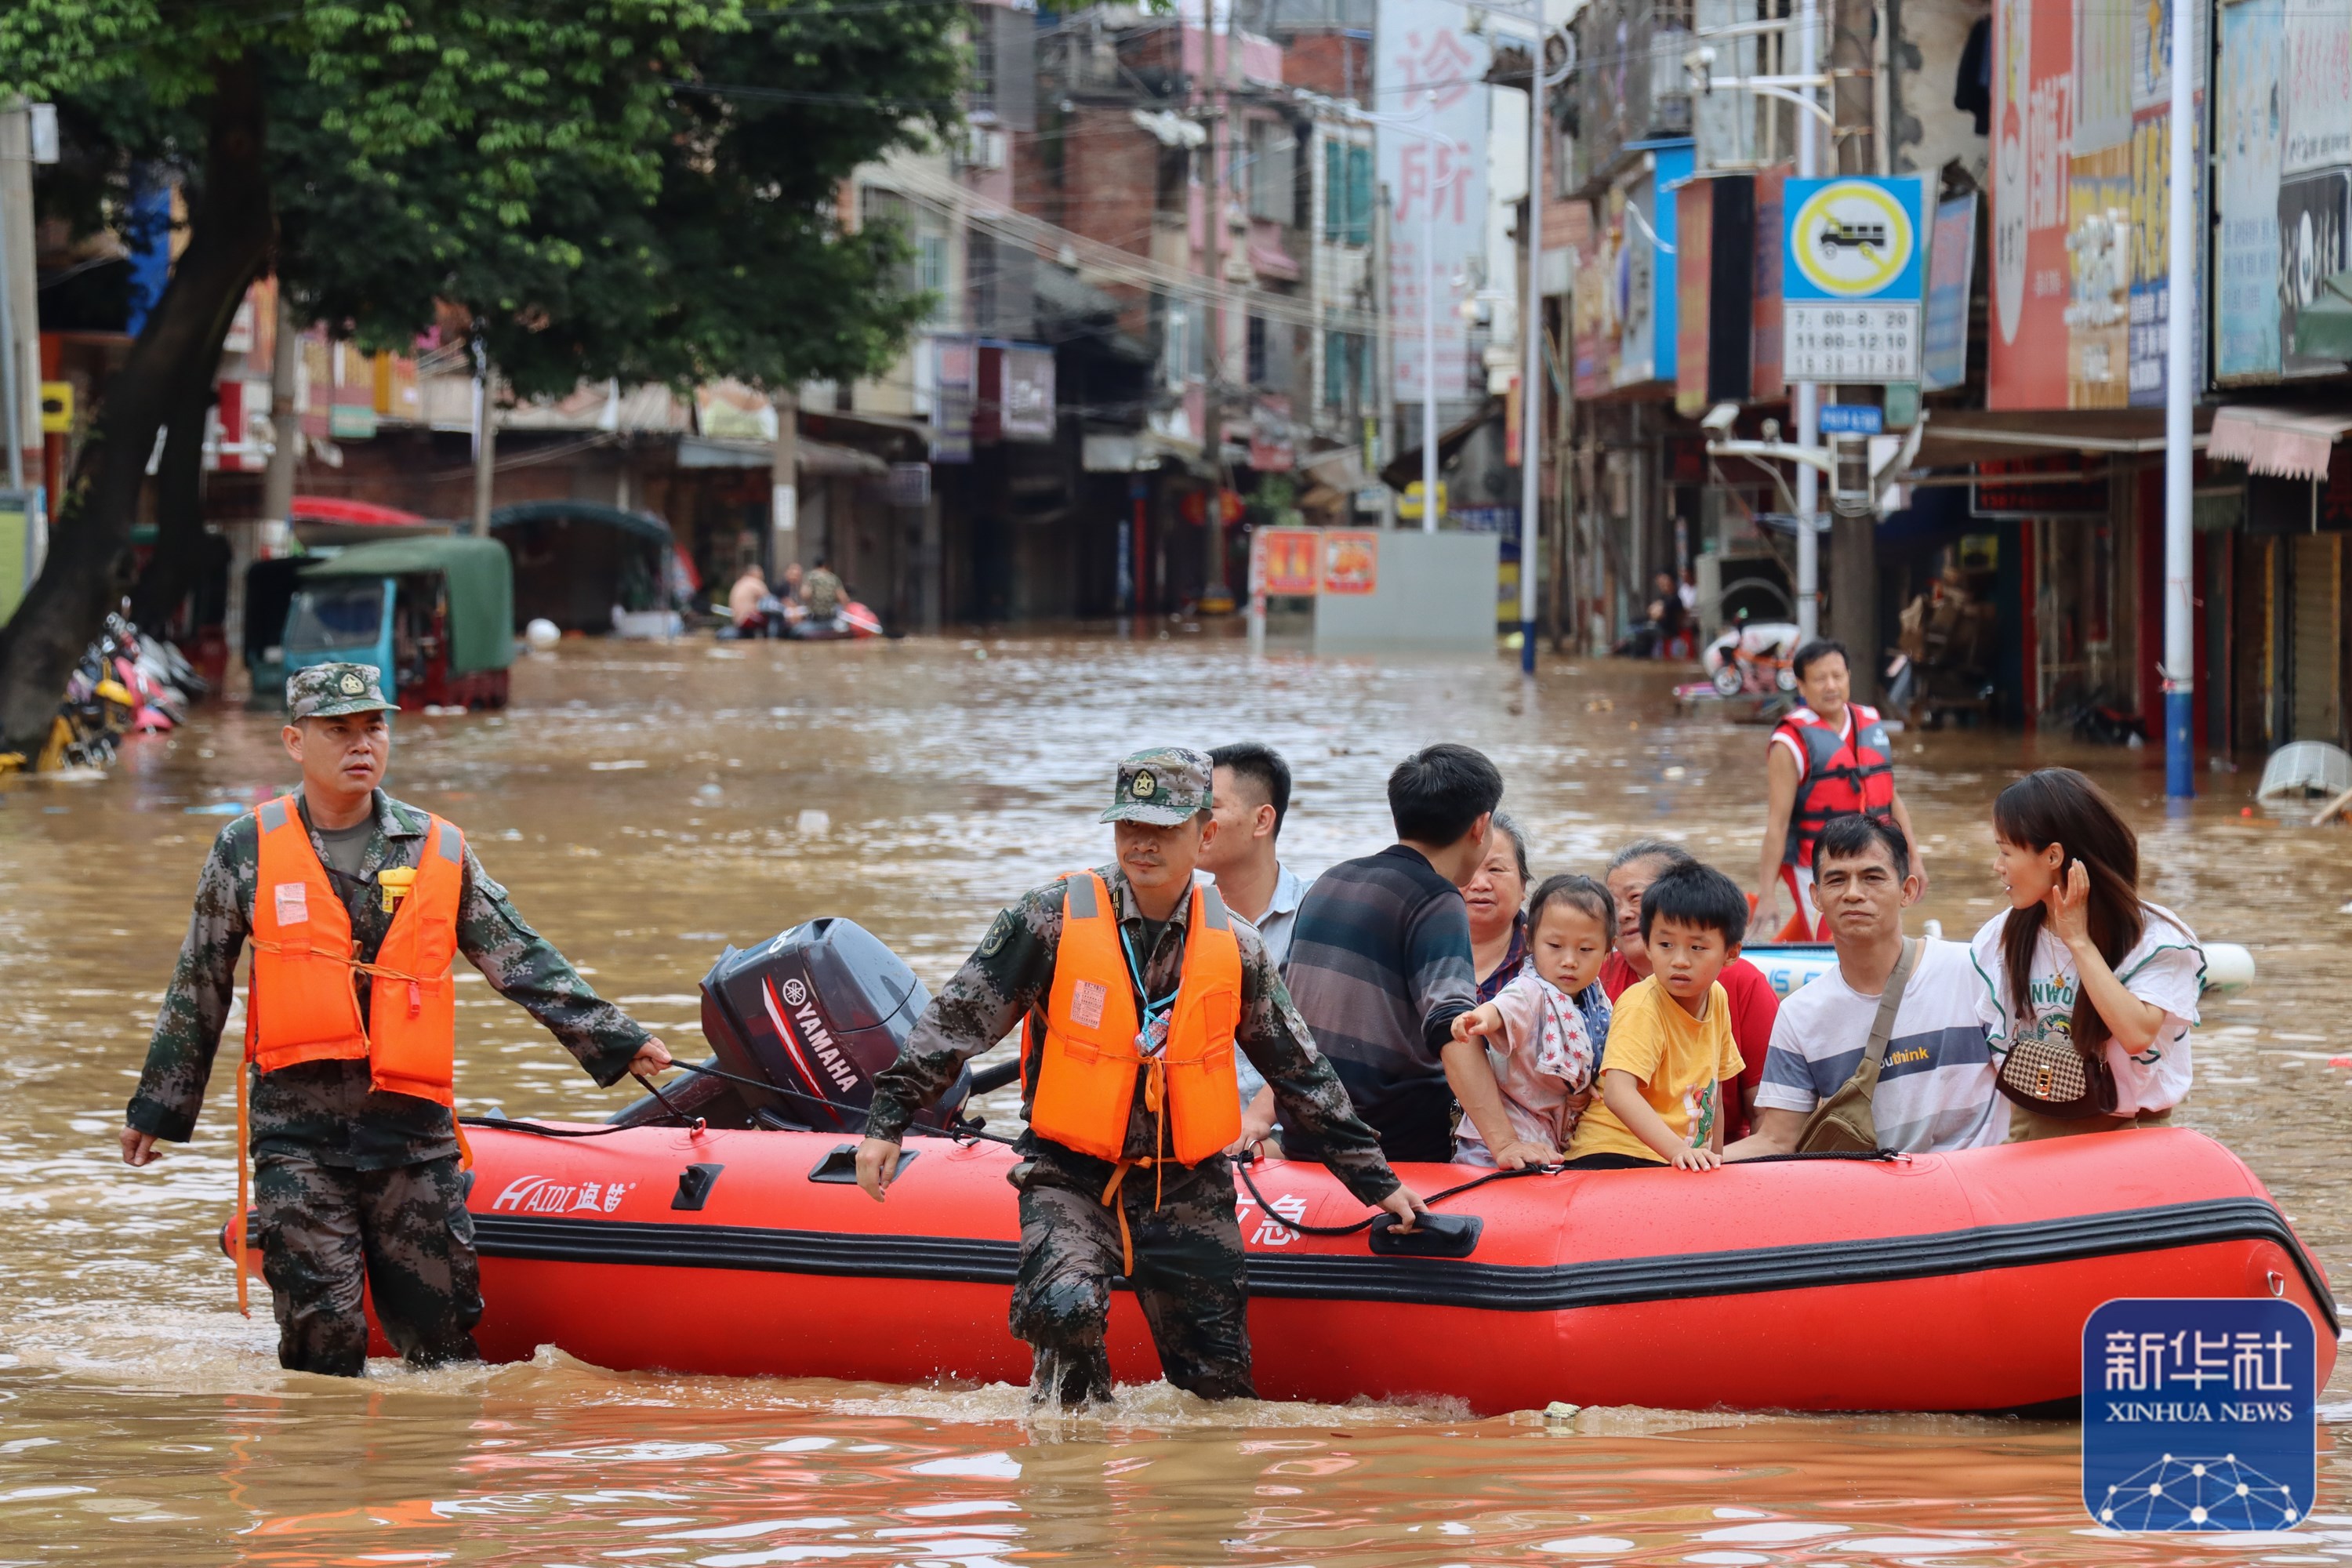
pixel 2032 174
pixel 1437 196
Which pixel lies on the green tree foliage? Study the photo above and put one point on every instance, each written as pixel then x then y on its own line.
pixel 636 188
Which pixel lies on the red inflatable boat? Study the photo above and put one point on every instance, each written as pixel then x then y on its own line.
pixel 1943 1282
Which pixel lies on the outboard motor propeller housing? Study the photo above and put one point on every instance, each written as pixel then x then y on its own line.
pixel 817 1011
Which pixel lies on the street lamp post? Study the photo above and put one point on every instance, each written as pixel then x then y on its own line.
pixel 1808 393
pixel 2179 396
pixel 1531 372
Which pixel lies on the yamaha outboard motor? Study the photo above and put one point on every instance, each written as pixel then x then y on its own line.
pixel 817 1011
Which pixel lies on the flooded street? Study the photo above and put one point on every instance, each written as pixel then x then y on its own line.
pixel 645 804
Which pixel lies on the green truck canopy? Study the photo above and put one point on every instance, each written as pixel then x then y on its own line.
pixel 480 577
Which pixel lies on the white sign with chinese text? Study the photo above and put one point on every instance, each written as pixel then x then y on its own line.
pixel 1421 49
pixel 1851 342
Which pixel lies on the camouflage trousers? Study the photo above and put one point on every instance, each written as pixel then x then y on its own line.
pixel 403 1234
pixel 1189 1276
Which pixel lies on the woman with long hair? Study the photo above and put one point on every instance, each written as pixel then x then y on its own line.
pixel 1495 899
pixel 2080 958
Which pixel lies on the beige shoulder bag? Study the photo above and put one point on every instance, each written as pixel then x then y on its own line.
pixel 1845 1119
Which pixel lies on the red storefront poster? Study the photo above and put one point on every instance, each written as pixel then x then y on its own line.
pixel 1351 561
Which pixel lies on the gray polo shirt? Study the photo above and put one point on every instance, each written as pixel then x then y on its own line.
pixel 1274 928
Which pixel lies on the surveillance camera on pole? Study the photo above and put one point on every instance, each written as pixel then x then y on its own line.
pixel 1854 485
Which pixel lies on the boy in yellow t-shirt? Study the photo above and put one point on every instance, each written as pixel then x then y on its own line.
pixel 1670 1058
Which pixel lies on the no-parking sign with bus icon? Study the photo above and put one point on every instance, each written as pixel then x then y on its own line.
pixel 1854 277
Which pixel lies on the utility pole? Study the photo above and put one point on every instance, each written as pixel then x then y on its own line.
pixel 248 540
pixel 783 488
pixel 1220 44
pixel 2179 401
pixel 1853 541
pixel 1564 452
pixel 1531 372
pixel 20 332
pixel 485 439
pixel 1806 394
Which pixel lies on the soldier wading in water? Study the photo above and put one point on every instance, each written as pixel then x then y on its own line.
pixel 355 904
pixel 1136 987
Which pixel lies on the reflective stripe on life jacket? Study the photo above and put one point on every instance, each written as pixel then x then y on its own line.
pixel 1843 776
pixel 1088 1059
pixel 303 1002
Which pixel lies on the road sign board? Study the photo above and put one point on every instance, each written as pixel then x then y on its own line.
pixel 1851 419
pixel 1854 277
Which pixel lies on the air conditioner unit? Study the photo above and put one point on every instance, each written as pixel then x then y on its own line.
pixel 984 148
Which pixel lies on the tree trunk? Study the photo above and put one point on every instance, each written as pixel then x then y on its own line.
pixel 88 565
pixel 179 506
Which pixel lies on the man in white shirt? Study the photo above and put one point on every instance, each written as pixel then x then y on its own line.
pixel 1249 797
pixel 1935 1092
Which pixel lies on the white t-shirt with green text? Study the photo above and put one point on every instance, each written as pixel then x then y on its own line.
pixel 2164 968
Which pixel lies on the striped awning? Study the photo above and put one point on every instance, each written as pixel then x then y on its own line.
pixel 2291 444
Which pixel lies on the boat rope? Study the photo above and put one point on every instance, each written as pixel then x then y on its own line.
pixel 1241 1169
pixel 961 1131
pixel 1366 1223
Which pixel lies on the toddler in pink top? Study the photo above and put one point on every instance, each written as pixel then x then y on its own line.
pixel 1523 1065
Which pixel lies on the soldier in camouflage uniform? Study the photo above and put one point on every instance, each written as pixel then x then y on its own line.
pixel 355 1186
pixel 1189 1273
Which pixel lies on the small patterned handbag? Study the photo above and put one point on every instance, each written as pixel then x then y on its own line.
pixel 2049 1075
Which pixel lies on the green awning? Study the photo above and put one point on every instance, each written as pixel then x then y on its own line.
pixel 644 524
pixel 480 577
pixel 2323 329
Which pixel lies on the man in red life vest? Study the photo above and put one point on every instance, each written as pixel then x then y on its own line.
pixel 355 904
pixel 1828 758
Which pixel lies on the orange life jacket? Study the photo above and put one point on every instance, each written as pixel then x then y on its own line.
pixel 1845 775
pixel 302 1004
pixel 1088 1060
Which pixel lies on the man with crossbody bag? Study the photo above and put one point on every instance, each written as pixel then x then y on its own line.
pixel 1887 1050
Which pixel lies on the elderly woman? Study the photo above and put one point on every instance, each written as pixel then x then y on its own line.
pixel 1496 898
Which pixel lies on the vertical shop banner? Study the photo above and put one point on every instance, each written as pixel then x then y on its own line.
pixel 2248 84
pixel 2032 143
pixel 1639 270
pixel 1951 272
pixel 2098 209
pixel 1714 268
pixel 954 380
pixel 1423 48
pixel 1693 280
pixel 1767 384
pixel 1592 308
pixel 2315 196
pixel 1649 310
pixel 2151 202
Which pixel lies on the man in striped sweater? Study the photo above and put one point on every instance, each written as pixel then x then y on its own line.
pixel 1379 956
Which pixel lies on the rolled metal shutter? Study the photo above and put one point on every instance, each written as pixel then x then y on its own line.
pixel 2318 598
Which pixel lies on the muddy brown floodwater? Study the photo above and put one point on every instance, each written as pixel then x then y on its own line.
pixel 645 804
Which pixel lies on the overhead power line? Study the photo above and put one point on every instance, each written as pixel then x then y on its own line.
pixel 1106 263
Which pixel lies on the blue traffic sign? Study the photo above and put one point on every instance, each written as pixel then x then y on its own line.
pixel 1853 419
pixel 2199 1415
pixel 1856 240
